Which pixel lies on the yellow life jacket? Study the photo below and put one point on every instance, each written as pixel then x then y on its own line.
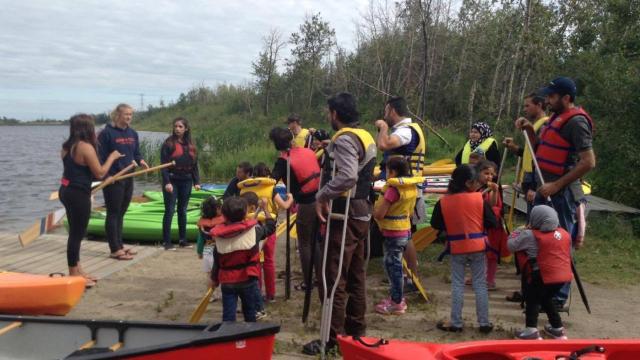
pixel 364 183
pixel 319 153
pixel 261 217
pixel 527 162
pixel 484 146
pixel 416 159
pixel 261 186
pixel 301 139
pixel 398 216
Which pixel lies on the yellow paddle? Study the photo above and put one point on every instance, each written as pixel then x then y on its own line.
pixel 202 307
pixel 55 196
pixel 415 280
pixel 424 237
pixel 442 162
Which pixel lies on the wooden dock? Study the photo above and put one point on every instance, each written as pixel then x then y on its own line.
pixel 594 203
pixel 48 254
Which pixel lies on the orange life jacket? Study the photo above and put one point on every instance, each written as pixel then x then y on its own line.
pixel 305 167
pixel 553 150
pixel 463 219
pixel 554 257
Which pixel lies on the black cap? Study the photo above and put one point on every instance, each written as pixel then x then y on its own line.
pixel 561 86
pixel 321 135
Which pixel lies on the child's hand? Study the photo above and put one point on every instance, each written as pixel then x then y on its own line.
pixel 262 203
pixel 212 284
pixel 493 186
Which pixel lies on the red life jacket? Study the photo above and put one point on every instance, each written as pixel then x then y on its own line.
pixel 237 250
pixel 463 218
pixel 305 167
pixel 553 150
pixel 184 161
pixel 206 224
pixel 554 257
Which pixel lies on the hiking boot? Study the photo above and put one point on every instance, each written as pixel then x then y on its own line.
pixel 261 315
pixel 555 333
pixel 485 329
pixel 528 334
pixel 389 307
pixel 313 347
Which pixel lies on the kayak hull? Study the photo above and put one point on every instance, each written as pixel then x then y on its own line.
pixel 29 294
pixel 612 349
pixel 41 337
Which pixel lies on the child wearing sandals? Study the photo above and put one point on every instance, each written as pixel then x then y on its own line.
pixel 465 216
pixel 543 252
pixel 210 217
pixel 393 212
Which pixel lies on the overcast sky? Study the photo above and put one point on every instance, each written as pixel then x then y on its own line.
pixel 61 57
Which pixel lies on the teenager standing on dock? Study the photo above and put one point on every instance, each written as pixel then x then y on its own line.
pixel 121 137
pixel 81 165
pixel 178 180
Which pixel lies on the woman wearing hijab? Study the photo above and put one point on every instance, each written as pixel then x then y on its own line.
pixel 481 144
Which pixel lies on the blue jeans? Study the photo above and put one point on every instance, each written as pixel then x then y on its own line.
pixel 393 250
pixel 181 193
pixel 479 280
pixel 565 205
pixel 247 295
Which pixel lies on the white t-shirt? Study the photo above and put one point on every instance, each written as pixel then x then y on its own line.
pixel 402 132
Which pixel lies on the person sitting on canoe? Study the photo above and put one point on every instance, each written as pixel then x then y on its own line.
pixel 480 139
pixel 243 172
pixel 465 216
pixel 237 256
pixel 543 252
pixel 211 216
pixel 81 165
pixel 178 180
pixel 393 212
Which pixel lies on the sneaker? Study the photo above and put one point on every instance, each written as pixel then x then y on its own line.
pixel 269 299
pixel 313 347
pixel 185 245
pixel 170 248
pixel 529 334
pixel 556 333
pixel 261 315
pixel 491 287
pixel 485 329
pixel 409 287
pixel 389 307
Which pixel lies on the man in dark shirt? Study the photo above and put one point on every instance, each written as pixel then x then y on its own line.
pixel 243 172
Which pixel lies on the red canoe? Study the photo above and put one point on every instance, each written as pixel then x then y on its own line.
pixel 23 337
pixel 582 349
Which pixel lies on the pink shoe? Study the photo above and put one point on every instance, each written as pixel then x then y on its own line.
pixel 388 307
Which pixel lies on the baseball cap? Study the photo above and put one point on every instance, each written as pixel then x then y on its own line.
pixel 561 86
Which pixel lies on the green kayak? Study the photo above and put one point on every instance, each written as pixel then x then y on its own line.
pixel 143 220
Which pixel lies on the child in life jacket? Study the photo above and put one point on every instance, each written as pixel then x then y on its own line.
pixel 210 217
pixel 543 252
pixel 236 258
pixel 497 245
pixel 393 212
pixel 464 216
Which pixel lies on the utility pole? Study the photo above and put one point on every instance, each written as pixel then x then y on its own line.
pixel 141 102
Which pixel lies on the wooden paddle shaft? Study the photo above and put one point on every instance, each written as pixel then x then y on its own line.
pixel 145 171
pixel 114 178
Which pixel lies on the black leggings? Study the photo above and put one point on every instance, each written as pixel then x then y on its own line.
pixel 77 203
pixel 536 295
pixel 117 197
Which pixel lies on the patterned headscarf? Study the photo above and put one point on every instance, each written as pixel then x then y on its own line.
pixel 485 132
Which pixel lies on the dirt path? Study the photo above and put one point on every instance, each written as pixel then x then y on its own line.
pixel 169 286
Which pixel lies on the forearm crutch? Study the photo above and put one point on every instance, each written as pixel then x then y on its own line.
pixel 327 303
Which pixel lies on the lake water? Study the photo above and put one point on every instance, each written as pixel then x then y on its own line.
pixel 30 169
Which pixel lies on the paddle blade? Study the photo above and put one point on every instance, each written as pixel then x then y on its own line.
pixel 26 237
pixel 54 195
pixel 424 237
pixel 202 307
pixel 415 280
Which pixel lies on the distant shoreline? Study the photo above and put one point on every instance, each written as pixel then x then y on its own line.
pixel 35 123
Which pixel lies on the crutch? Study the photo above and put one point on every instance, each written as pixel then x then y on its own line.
pixel 327 303
pixel 514 196
pixel 287 266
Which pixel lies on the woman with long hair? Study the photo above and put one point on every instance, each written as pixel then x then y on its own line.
pixel 81 165
pixel 121 137
pixel 178 180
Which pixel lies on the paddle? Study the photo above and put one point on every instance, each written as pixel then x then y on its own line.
pixel 287 265
pixel 201 308
pixel 424 237
pixel 145 171
pixel 114 178
pixel 441 162
pixel 416 280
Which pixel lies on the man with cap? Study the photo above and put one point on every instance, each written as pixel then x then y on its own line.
pixel 301 136
pixel 564 151
pixel 352 152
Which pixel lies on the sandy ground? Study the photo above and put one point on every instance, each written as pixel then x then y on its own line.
pixel 169 286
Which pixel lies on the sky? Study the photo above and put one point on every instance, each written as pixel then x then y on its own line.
pixel 61 57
